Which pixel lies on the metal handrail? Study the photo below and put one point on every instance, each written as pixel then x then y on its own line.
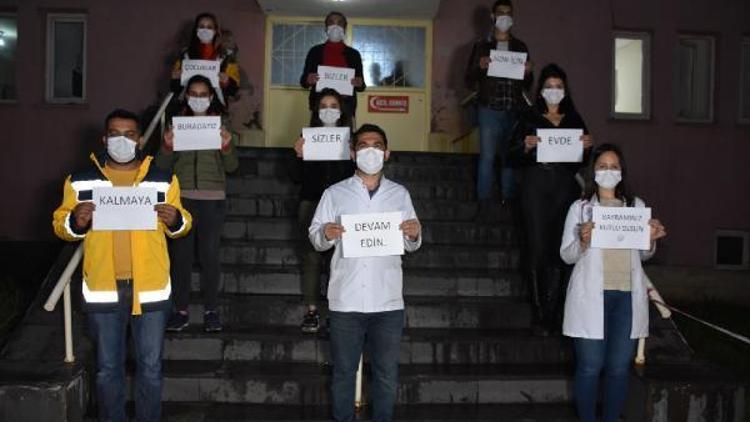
pixel 62 287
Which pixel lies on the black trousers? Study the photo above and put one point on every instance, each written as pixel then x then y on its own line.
pixel 546 194
pixel 205 239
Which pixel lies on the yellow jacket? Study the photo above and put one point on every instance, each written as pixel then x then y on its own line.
pixel 151 282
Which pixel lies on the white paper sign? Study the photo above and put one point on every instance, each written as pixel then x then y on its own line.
pixel 207 68
pixel 338 78
pixel 325 144
pixel 124 208
pixel 559 146
pixel 621 228
pixel 196 133
pixel 372 235
pixel 507 64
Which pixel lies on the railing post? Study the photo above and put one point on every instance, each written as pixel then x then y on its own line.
pixel 69 357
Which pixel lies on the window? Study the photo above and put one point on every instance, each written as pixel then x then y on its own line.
pixel 745 81
pixel 291 42
pixel 66 58
pixel 392 56
pixel 8 43
pixel 631 79
pixel 694 79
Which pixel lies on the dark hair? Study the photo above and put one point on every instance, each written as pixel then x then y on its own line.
pixel 367 128
pixel 334 13
pixel 214 109
pixel 552 70
pixel 499 3
pixel 344 120
pixel 622 190
pixel 119 113
pixel 194 47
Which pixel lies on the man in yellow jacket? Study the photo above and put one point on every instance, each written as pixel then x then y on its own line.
pixel 125 272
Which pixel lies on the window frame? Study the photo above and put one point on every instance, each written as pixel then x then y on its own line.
pixel 645 37
pixel 52 19
pixel 744 68
pixel 713 38
pixel 12 14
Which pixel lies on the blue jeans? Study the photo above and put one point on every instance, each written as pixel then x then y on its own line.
pixel 614 355
pixel 108 330
pixel 494 136
pixel 380 332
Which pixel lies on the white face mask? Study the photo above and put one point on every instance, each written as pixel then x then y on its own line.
pixel 503 23
pixel 335 33
pixel 121 149
pixel 199 104
pixel 370 160
pixel 206 35
pixel 329 116
pixel 553 96
pixel 608 179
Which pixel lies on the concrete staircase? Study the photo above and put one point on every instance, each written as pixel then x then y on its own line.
pixel 468 351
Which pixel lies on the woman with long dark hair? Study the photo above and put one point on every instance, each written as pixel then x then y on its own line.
pixel 606 307
pixel 547 189
pixel 206 43
pixel 317 176
pixel 202 176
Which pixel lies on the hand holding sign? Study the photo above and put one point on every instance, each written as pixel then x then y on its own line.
pixel 507 64
pixel 82 214
pixel 411 228
pixel 333 231
pixel 657 230
pixel 167 214
pixel 338 78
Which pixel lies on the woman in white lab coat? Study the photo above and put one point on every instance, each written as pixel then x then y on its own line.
pixel 606 308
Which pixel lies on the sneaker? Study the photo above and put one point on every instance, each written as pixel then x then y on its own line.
pixel 311 322
pixel 211 322
pixel 178 321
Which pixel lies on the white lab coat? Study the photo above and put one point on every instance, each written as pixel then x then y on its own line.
pixel 584 303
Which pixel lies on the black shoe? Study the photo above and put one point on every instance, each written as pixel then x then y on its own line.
pixel 178 321
pixel 311 322
pixel 211 322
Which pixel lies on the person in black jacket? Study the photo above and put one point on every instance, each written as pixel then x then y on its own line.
pixel 337 54
pixel 547 190
pixel 500 100
pixel 317 176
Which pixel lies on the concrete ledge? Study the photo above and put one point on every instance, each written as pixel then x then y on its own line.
pixel 696 284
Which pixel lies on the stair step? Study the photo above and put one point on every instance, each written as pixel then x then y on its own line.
pixel 268 252
pixel 286 280
pixel 278 205
pixel 421 312
pixel 434 232
pixel 397 157
pixel 452 190
pixel 309 384
pixel 419 346
pixel 230 412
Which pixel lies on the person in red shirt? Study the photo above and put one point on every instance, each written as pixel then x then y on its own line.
pixel 334 52
pixel 206 44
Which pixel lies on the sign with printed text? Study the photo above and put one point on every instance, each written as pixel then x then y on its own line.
pixel 325 144
pixel 338 78
pixel 507 64
pixel 196 133
pixel 124 208
pixel 388 104
pixel 372 235
pixel 621 228
pixel 559 146
pixel 207 68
